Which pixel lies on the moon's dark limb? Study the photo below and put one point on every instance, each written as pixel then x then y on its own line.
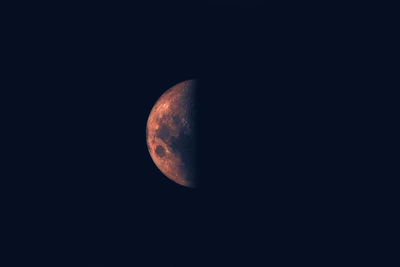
pixel 171 133
pixel 184 145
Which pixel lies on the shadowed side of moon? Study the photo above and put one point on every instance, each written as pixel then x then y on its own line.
pixel 170 133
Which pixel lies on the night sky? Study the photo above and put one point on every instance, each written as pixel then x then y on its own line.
pixel 86 188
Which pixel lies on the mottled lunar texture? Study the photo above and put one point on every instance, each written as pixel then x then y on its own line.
pixel 170 133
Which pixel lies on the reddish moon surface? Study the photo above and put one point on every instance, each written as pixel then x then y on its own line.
pixel 170 133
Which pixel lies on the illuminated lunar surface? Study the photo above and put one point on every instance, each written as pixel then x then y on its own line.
pixel 170 133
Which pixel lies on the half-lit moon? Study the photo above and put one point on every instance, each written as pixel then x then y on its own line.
pixel 170 133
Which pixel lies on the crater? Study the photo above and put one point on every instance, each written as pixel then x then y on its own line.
pixel 160 151
pixel 176 120
pixel 163 133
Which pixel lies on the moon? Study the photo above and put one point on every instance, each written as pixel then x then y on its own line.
pixel 170 133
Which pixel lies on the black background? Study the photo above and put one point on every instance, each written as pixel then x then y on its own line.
pixel 271 154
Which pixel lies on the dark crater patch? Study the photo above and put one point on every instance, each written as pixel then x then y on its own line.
pixel 176 120
pixel 163 133
pixel 160 151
